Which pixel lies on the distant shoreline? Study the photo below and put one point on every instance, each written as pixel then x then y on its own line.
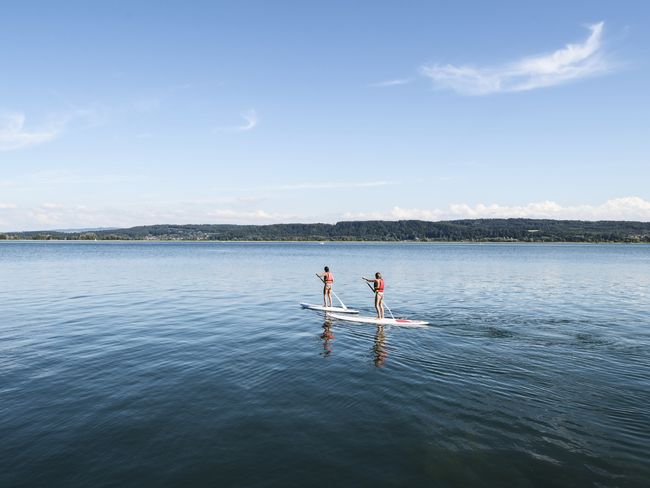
pixel 476 230
pixel 415 243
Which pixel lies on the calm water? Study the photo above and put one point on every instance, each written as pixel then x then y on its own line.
pixel 163 364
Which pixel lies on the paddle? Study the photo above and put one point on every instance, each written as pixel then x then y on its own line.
pixel 340 301
pixel 387 307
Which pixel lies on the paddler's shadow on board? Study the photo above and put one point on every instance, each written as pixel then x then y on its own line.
pixel 379 347
pixel 327 336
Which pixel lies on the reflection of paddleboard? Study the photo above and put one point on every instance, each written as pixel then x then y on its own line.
pixel 376 321
pixel 328 309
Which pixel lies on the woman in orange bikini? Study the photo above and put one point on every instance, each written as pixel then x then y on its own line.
pixel 328 280
pixel 378 286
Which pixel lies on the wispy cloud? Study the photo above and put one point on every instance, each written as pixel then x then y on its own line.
pixel 625 208
pixel 7 183
pixel 572 62
pixel 55 216
pixel 100 113
pixel 143 105
pixel 251 120
pixel 14 135
pixel 334 185
pixel 56 184
pixel 396 82
pixel 307 185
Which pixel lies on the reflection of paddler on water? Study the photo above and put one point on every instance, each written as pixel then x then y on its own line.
pixel 378 288
pixel 328 281
pixel 379 347
pixel 327 336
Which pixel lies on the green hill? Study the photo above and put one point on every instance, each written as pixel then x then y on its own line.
pixel 490 230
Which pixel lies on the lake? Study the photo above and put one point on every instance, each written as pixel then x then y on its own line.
pixel 192 364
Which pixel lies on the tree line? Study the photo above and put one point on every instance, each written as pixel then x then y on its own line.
pixel 489 230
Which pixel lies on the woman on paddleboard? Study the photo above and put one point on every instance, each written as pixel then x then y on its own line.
pixel 378 287
pixel 328 280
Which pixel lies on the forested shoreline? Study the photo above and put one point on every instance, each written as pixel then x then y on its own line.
pixel 481 230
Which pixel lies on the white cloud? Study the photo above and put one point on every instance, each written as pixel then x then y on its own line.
pixel 397 213
pixel 387 83
pixel 251 121
pixel 255 216
pixel 14 135
pixel 626 208
pixel 573 62
pixel 55 216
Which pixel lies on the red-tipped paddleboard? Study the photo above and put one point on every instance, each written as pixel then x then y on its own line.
pixel 376 321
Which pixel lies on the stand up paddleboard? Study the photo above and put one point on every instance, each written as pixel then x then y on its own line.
pixel 376 321
pixel 321 308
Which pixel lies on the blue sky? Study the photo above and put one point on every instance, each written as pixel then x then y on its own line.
pixel 128 113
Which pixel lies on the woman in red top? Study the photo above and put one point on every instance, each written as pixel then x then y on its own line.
pixel 328 279
pixel 378 286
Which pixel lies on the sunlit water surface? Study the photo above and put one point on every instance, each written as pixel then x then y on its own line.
pixel 191 364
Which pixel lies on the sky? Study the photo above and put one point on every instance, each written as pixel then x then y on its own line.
pixel 115 114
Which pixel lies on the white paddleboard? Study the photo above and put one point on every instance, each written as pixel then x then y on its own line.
pixel 321 308
pixel 376 321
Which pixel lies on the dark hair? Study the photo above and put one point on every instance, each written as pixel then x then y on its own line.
pixel 377 274
pixel 327 269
